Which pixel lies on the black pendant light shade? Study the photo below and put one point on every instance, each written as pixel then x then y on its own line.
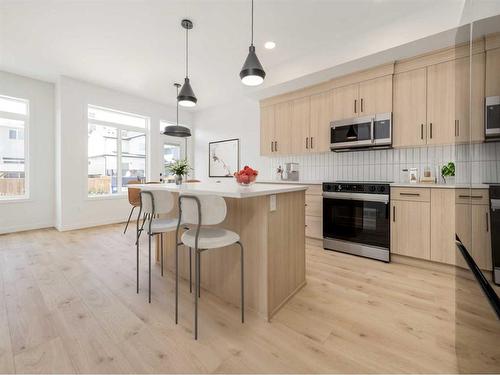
pixel 177 130
pixel 186 97
pixel 252 73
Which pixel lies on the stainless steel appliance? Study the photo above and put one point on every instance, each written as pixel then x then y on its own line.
pixel 373 132
pixel 291 172
pixel 495 231
pixel 356 218
pixel 492 118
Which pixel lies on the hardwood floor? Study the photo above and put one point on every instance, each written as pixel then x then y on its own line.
pixel 68 304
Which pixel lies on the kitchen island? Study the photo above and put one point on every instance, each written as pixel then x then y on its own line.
pixel 270 220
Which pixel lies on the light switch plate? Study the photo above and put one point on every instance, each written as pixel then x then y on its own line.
pixel 272 202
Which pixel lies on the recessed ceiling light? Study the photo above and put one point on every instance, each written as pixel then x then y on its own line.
pixel 269 45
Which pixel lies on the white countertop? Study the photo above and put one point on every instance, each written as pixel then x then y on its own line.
pixel 227 189
pixel 441 186
pixel 300 182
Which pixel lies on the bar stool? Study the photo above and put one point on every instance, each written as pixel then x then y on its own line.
pixel 203 210
pixel 153 203
pixel 134 198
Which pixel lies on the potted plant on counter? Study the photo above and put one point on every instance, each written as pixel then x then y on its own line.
pixel 448 173
pixel 179 168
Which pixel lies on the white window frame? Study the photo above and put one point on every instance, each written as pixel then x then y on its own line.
pixel 121 193
pixel 26 119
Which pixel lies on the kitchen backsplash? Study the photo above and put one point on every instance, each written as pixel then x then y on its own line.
pixel 387 165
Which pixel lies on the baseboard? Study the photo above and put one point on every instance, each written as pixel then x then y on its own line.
pixel 314 242
pixel 422 263
pixel 25 227
pixel 67 227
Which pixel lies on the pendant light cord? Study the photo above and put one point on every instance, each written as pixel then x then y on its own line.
pixel 252 22
pixel 187 56
pixel 177 105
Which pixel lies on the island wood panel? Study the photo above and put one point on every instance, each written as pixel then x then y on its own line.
pixel 266 236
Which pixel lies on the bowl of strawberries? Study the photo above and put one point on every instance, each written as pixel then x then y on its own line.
pixel 246 176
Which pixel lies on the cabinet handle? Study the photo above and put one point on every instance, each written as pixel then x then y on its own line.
pixel 312 142
pixel 361 105
pixel 275 146
pixel 411 194
pixel 393 214
pixel 471 196
pixel 355 105
pixel 272 146
pixel 421 131
pixel 458 128
pixel 487 223
pixel 307 142
pixel 430 132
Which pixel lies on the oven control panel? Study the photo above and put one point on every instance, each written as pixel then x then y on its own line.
pixel 356 187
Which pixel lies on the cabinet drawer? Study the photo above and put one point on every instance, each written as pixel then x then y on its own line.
pixel 411 194
pixel 314 205
pixel 314 227
pixel 314 190
pixel 472 196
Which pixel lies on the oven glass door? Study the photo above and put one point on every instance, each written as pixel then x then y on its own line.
pixel 356 221
pixel 351 133
pixel 493 119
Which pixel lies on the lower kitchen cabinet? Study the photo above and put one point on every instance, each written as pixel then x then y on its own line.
pixel 410 228
pixel 314 212
pixel 443 248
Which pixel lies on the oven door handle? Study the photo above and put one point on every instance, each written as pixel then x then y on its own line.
pixel 383 198
pixel 372 130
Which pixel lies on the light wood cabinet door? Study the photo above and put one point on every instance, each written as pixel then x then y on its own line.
pixel 321 116
pixel 410 108
pixel 314 227
pixel 346 102
pixel 477 97
pixel 301 116
pixel 267 127
pixel 410 229
pixel 283 127
pixel 473 229
pixel 443 248
pixel 375 96
pixel 492 72
pixel 441 103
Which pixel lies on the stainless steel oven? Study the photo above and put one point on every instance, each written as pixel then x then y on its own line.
pixel 492 118
pixel 361 132
pixel 356 219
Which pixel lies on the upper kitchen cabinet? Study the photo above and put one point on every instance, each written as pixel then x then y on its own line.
pixel 321 116
pixel 363 99
pixel 283 128
pixel 492 72
pixel 375 96
pixel 410 108
pixel 301 116
pixel 441 103
pixel 346 102
pixel 267 130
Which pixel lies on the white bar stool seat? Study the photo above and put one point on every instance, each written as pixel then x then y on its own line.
pixel 210 238
pixel 164 225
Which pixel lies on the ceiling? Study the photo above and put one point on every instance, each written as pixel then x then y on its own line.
pixel 137 46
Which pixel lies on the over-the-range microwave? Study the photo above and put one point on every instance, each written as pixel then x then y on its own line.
pixel 369 132
pixel 492 118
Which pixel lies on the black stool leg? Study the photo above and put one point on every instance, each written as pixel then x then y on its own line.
pixel 242 285
pixel 149 268
pixel 176 283
pixel 190 271
pixel 161 250
pixel 137 246
pixel 197 286
pixel 199 275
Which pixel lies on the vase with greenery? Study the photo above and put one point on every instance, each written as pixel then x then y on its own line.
pixel 448 173
pixel 179 168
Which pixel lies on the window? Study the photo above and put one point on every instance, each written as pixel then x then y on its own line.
pixel 14 116
pixel 174 148
pixel 116 150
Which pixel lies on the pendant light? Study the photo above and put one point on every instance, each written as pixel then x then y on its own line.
pixel 186 97
pixel 252 73
pixel 177 130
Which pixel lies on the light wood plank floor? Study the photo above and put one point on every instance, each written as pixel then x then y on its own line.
pixel 68 304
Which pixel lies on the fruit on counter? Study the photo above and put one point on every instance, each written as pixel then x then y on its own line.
pixel 246 176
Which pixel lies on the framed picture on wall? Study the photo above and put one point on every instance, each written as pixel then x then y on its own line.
pixel 223 158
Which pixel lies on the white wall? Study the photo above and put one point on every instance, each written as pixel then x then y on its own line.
pixel 38 210
pixel 238 119
pixel 75 209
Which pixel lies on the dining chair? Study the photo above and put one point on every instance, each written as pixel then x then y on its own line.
pixel 134 199
pixel 203 210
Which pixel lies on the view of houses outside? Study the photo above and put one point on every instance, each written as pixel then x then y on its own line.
pixel 13 121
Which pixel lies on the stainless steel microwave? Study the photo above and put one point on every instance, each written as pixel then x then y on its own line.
pixel 370 132
pixel 492 117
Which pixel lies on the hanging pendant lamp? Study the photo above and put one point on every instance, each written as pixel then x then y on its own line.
pixel 177 130
pixel 186 97
pixel 252 73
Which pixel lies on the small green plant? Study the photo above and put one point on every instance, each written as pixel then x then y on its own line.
pixel 448 170
pixel 179 167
